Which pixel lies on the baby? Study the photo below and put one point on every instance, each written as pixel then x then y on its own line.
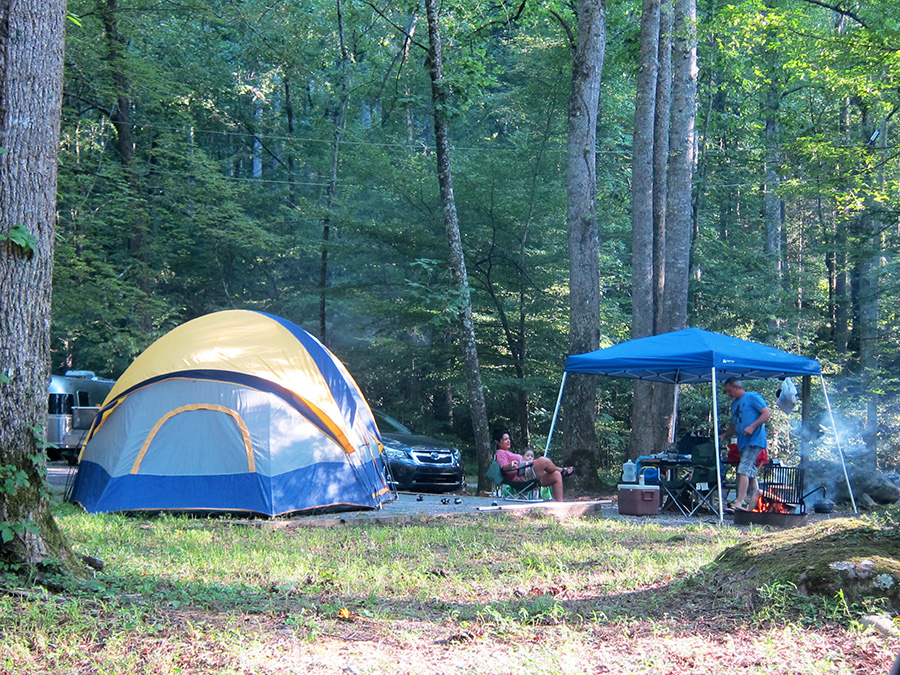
pixel 527 456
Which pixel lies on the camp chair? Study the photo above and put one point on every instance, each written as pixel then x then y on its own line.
pixel 520 491
pixel 697 489
pixel 703 486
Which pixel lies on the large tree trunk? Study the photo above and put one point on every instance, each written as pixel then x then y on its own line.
pixel 31 63
pixel 139 235
pixel 457 258
pixel 679 207
pixel 681 165
pixel 584 248
pixel 642 223
pixel 662 112
pixel 661 406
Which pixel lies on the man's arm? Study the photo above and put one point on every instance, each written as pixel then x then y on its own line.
pixel 764 415
pixel 727 431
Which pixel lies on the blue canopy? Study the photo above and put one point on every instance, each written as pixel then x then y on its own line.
pixel 688 356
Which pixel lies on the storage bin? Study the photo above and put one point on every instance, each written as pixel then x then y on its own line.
pixel 638 500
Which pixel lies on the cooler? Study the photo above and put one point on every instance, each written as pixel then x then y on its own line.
pixel 639 500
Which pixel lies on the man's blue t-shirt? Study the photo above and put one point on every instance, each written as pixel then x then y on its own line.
pixel 744 412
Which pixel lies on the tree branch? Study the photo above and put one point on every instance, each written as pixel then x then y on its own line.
pixel 396 27
pixel 566 27
pixel 509 20
pixel 839 10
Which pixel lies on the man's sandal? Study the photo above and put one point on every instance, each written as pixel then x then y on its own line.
pixel 731 507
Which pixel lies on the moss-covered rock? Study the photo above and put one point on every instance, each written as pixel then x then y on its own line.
pixel 859 557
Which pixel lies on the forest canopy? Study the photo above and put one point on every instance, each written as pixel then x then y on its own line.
pixel 275 155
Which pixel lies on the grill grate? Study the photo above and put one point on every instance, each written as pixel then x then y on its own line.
pixel 781 485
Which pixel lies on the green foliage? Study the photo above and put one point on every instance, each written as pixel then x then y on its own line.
pixel 234 109
pixel 21 237
pixel 12 480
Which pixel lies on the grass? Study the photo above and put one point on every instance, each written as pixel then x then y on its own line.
pixel 463 596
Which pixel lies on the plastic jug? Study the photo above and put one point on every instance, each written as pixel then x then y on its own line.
pixel 629 472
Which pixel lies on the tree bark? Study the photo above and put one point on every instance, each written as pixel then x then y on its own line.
pixel 580 442
pixel 772 205
pixel 125 144
pixel 643 264
pixel 31 65
pixel 662 394
pixel 662 111
pixel 681 165
pixel 440 100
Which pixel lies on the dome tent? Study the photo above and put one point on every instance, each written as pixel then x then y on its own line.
pixel 233 411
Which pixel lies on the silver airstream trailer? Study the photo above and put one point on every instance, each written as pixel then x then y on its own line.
pixel 73 403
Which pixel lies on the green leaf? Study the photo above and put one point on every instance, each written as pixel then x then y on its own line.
pixel 6 532
pixel 21 237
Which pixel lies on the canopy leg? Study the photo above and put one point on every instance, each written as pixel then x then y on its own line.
pixel 555 415
pixel 837 439
pixel 715 398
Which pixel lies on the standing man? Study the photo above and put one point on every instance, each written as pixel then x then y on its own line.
pixel 749 415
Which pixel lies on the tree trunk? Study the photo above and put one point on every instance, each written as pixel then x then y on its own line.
pixel 661 395
pixel 584 247
pixel 31 65
pixel 681 165
pixel 771 202
pixel 662 112
pixel 643 263
pixel 125 144
pixel 439 98
pixel 340 113
pixel 869 270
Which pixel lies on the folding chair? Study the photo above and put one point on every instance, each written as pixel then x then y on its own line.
pixel 703 486
pixel 675 492
pixel 699 488
pixel 519 491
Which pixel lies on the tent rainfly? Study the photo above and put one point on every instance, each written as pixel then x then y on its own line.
pixel 234 411
pixel 690 356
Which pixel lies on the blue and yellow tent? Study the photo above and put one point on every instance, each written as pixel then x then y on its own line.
pixel 233 411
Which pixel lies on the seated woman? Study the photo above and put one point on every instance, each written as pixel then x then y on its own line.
pixel 516 470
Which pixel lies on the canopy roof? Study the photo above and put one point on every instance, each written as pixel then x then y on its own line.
pixel 689 355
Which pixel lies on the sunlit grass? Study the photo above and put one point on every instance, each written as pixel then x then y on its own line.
pixel 216 596
pixel 216 564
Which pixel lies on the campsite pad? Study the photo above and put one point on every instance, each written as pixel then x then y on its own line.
pixel 408 509
pixel 405 509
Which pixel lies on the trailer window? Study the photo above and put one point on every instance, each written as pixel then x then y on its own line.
pixel 83 398
pixel 60 404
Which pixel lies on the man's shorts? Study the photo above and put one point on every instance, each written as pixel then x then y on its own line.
pixel 747 465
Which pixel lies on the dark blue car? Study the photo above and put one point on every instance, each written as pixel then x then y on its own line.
pixel 418 463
